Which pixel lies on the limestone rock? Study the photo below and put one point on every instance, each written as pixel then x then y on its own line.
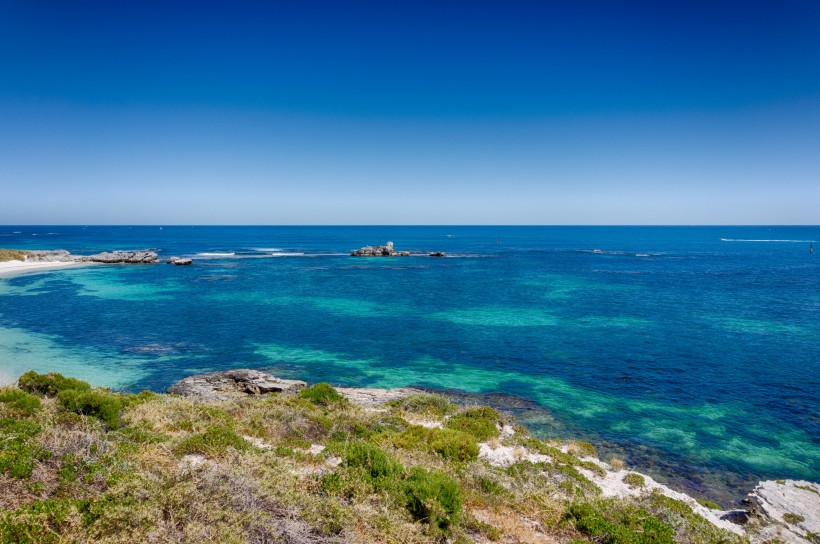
pixel 112 257
pixel 180 261
pixel 378 251
pixel 51 256
pixel 116 257
pixel 437 254
pixel 228 383
pixel 371 397
pixel 794 506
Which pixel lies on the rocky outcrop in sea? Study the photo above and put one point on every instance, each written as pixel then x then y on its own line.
pixel 379 251
pixel 108 257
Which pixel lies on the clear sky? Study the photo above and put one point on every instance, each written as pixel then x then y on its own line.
pixel 391 112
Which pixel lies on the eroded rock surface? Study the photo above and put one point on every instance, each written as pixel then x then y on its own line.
pixel 223 385
pixel 379 251
pixel 371 397
pixel 109 257
pixel 793 504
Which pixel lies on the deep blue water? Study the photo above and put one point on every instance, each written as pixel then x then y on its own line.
pixel 692 350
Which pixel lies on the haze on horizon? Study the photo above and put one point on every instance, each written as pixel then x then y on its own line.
pixel 410 113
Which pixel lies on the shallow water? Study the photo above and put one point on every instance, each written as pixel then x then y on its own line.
pixel 691 349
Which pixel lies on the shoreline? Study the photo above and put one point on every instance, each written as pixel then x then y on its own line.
pixel 14 268
pixel 405 425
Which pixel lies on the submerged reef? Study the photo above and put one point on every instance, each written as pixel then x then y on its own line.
pixel 242 456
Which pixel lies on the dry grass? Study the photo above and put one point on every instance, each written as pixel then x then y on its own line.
pixel 130 483
pixel 12 255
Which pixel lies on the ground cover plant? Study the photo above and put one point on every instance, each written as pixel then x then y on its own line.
pixel 81 464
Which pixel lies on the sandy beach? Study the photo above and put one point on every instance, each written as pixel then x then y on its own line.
pixel 12 268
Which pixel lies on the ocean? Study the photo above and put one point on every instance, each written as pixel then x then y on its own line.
pixel 692 352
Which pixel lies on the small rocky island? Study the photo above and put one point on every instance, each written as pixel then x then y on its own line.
pixel 379 251
pixel 386 250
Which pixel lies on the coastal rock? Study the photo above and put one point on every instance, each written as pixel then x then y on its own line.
pixel 794 506
pixel 51 256
pixel 180 261
pixel 738 517
pixel 228 383
pixel 63 256
pixel 378 251
pixel 437 254
pixel 372 397
pixel 117 257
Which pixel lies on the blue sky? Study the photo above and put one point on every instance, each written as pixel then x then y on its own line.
pixel 410 113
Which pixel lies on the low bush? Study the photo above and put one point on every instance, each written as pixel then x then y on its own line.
pixel 44 522
pixel 634 480
pixel 377 465
pixel 425 403
pixel 608 523
pixel 788 517
pixel 20 402
pixel 454 445
pixel 712 505
pixel 449 443
pixel 432 497
pixel 213 442
pixel 18 451
pixel 480 422
pixel 104 406
pixel 50 384
pixel 322 394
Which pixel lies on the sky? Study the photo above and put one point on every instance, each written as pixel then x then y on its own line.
pixel 580 112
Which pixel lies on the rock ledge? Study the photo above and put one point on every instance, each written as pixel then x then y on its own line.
pixel 229 383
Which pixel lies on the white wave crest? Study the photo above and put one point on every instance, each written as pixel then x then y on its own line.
pixel 782 241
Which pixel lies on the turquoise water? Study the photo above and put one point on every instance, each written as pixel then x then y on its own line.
pixel 692 350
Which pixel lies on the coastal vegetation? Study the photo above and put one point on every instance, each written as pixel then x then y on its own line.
pixel 81 464
pixel 12 255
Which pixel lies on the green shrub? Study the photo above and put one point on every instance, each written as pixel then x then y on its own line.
pixel 788 517
pixel 44 522
pixel 20 402
pixel 585 448
pixel 450 444
pixel 322 393
pixel 50 384
pixel 377 465
pixel 491 487
pixel 432 497
pixel 454 445
pixel 479 422
pixel 104 406
pixel 712 505
pixel 425 403
pixel 610 523
pixel 18 453
pixel 214 441
pixel 634 480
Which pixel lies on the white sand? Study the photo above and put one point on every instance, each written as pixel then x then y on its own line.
pixel 11 268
